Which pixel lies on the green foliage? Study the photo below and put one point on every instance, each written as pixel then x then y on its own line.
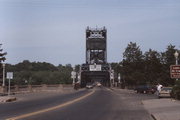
pixel 132 53
pixel 151 67
pixel 168 59
pixel 40 73
pixel 133 65
pixel 176 90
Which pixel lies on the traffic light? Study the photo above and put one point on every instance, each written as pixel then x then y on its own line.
pixel 2 54
pixel 2 58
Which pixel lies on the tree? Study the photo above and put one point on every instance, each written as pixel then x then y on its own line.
pixel 152 66
pixel 40 73
pixel 77 68
pixel 133 53
pixel 167 59
pixel 133 65
pixel 169 55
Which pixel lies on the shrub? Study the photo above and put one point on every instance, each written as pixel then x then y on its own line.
pixel 176 90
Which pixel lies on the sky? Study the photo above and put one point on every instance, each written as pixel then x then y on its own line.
pixel 54 30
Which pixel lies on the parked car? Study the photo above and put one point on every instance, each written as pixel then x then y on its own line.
pixel 165 92
pixel 89 85
pixel 145 89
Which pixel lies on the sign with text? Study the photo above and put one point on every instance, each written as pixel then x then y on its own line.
pixel 175 71
pixel 95 67
pixel 9 75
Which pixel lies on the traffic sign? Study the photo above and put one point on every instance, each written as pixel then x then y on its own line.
pixel 9 75
pixel 73 74
pixel 175 71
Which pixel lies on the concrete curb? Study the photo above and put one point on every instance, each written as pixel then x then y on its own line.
pixel 11 99
pixel 153 117
pixel 8 99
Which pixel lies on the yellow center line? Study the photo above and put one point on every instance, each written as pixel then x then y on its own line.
pixel 50 109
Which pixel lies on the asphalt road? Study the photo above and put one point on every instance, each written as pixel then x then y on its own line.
pixel 101 104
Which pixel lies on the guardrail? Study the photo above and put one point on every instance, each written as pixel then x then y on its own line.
pixel 36 88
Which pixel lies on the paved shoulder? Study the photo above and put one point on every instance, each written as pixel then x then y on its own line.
pixel 163 109
pixel 130 106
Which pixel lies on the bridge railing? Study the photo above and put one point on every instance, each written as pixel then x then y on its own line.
pixel 37 88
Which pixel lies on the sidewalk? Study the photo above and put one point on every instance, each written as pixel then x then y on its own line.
pixel 163 109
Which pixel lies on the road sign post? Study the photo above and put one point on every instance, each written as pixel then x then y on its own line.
pixel 175 71
pixel 3 74
pixel 73 76
pixel 9 76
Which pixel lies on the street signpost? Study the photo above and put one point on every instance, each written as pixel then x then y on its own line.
pixel 175 71
pixel 9 76
pixel 73 76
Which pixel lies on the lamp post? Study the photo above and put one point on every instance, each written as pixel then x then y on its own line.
pixel 3 74
pixel 176 54
pixel 119 79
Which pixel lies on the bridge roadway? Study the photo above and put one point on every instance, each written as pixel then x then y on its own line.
pixel 94 104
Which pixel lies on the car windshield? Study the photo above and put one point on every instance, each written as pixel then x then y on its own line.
pixel 166 88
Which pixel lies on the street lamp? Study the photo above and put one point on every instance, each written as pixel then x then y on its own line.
pixel 176 54
pixel 3 74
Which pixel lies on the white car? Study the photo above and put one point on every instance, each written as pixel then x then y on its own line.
pixel 165 92
pixel 89 85
pixel 99 84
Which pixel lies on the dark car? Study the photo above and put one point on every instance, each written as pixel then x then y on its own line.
pixel 145 89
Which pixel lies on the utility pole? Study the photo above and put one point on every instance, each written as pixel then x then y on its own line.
pixel 2 58
pixel 3 74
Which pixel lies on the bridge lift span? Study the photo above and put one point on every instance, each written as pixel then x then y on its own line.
pixel 96 68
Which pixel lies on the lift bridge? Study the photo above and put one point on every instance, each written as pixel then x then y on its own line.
pixel 96 68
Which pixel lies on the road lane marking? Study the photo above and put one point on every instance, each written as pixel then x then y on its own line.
pixel 51 108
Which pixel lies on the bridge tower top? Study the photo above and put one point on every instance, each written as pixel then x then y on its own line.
pixel 96 45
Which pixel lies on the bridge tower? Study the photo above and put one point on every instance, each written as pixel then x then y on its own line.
pixel 96 68
pixel 96 46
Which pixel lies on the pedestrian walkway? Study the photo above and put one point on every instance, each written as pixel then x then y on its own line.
pixel 163 109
